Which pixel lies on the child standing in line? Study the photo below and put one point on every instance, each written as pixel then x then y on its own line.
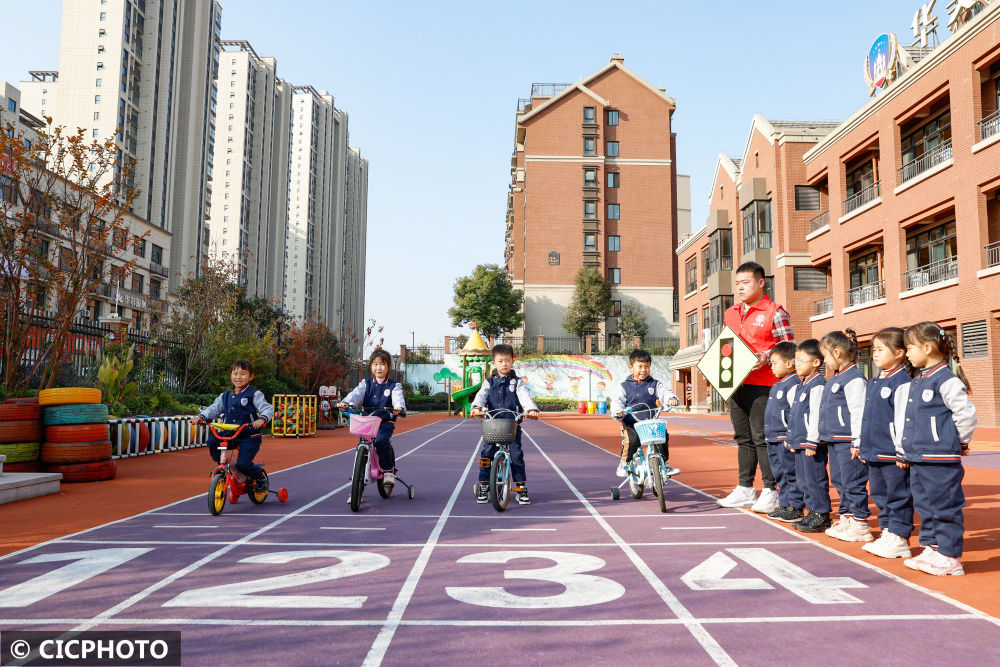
pixel 503 390
pixel 889 484
pixel 840 429
pixel 790 499
pixel 384 396
pixel 803 438
pixel 934 421
pixel 241 405
pixel 641 391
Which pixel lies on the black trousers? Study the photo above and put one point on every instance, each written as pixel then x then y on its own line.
pixel 746 409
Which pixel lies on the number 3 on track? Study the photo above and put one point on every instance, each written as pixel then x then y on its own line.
pixel 581 589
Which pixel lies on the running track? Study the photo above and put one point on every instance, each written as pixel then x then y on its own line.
pixel 573 578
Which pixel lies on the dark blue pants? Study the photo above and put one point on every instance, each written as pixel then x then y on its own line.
pixel 890 488
pixel 783 466
pixel 516 460
pixel 849 477
pixel 249 447
pixel 938 497
pixel 810 471
pixel 386 455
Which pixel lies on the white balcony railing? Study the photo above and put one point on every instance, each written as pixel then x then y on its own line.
pixel 862 197
pixel 863 294
pixel 933 157
pixel 823 306
pixel 929 274
pixel 993 254
pixel 989 126
pixel 820 221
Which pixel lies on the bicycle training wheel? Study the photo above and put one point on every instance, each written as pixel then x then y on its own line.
pixel 259 493
pixel 656 468
pixel 217 494
pixel 500 481
pixel 636 482
pixel 358 480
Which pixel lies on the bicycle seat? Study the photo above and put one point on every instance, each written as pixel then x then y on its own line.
pixel 226 427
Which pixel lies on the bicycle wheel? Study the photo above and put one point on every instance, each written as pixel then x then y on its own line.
pixel 217 494
pixel 259 494
pixel 656 469
pixel 358 480
pixel 500 481
pixel 382 489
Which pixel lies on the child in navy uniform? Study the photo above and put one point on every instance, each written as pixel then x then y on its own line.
pixel 641 391
pixel 790 501
pixel 840 416
pixel 503 390
pixel 889 484
pixel 241 405
pixel 934 421
pixel 384 397
pixel 803 438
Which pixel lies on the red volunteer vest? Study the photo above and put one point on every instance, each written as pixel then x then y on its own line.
pixel 756 331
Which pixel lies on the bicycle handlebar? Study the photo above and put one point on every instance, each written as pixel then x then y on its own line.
pixel 226 439
pixel 492 414
pixel 353 408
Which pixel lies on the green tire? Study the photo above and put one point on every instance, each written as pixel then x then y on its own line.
pixel 20 452
pixel 75 414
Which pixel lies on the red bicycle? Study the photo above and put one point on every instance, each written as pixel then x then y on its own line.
pixel 228 482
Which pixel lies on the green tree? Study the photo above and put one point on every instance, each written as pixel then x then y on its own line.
pixel 591 302
pixel 488 299
pixel 632 322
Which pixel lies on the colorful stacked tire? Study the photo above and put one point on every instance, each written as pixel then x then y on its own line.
pixel 20 434
pixel 76 435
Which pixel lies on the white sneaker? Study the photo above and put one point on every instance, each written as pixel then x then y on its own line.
pixel 925 555
pixel 855 531
pixel 836 528
pixel 767 502
pixel 942 566
pixel 388 479
pixel 741 496
pixel 621 471
pixel 888 545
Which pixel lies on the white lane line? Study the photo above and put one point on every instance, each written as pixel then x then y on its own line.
pixel 347 528
pixel 513 530
pixel 701 635
pixel 802 539
pixel 192 526
pixel 149 590
pixel 867 618
pixel 156 510
pixel 381 644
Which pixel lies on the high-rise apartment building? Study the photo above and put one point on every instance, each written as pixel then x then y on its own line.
pixel 355 236
pixel 144 71
pixel 594 183
pixel 316 185
pixel 250 181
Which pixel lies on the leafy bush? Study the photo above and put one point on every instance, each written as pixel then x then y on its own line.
pixel 424 388
pixel 158 403
pixel 554 404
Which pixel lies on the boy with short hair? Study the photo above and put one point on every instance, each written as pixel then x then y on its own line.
pixel 787 505
pixel 640 391
pixel 503 390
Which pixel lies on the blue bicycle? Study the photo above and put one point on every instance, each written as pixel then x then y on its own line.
pixel 646 466
pixel 500 432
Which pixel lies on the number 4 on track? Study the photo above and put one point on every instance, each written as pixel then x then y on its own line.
pixel 710 576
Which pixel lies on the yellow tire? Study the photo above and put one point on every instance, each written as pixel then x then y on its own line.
pixel 69 396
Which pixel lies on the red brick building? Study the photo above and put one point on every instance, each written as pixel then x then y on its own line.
pixel 594 183
pixel 913 185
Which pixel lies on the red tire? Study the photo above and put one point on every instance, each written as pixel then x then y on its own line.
pixel 85 472
pixel 28 430
pixel 75 452
pixel 20 412
pixel 30 466
pixel 22 401
pixel 76 433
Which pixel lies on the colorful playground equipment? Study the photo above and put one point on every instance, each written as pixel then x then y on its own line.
pixel 476 359
pixel 294 415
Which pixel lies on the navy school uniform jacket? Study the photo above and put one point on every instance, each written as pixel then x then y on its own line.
pixel 640 396
pixel 371 393
pixel 803 418
pixel 880 410
pixel 505 392
pixel 843 406
pixel 779 404
pixel 244 407
pixel 934 417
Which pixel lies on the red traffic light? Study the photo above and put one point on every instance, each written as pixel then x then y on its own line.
pixel 727 350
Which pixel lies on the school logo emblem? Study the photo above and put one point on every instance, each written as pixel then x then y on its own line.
pixel 511 388
pixel 928 395
pixel 780 393
pixel 835 388
pixel 386 392
pixel 802 398
pixel 759 320
pixel 243 401
pixel 885 392
pixel 651 391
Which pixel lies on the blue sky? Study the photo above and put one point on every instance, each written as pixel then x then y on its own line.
pixel 431 90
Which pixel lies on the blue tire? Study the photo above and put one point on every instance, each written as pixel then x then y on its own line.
pixel 75 414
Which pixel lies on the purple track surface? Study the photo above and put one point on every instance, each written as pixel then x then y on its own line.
pixel 575 577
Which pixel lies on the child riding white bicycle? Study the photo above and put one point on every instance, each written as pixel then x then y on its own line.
pixel 382 396
pixel 642 393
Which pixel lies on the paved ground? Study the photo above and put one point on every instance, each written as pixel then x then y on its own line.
pixel 574 577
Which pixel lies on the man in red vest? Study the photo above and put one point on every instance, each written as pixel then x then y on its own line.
pixel 762 324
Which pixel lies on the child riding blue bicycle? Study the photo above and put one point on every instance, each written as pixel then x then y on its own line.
pixel 640 392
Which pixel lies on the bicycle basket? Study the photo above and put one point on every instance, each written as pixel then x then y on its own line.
pixel 499 431
pixel 651 431
pixel 365 426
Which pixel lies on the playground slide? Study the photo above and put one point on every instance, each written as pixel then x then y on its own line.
pixel 463 397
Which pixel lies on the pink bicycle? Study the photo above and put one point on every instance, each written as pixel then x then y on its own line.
pixel 366 464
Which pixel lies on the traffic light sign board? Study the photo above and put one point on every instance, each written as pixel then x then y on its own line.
pixel 727 362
